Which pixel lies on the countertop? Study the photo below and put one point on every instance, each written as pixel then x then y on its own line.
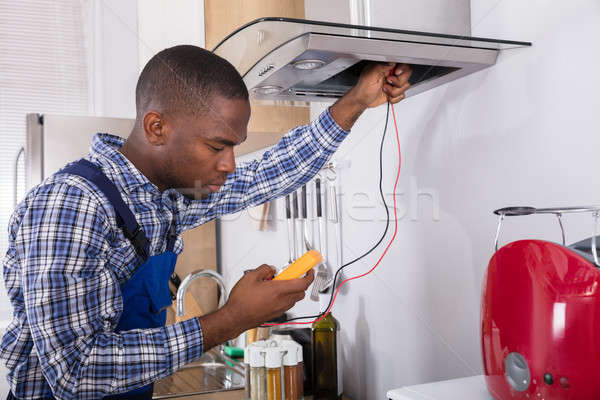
pixel 226 395
pixel 471 388
pixel 229 395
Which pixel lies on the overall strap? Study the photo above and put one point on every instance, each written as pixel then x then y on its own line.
pixel 125 218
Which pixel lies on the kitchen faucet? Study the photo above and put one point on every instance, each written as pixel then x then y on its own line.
pixel 199 274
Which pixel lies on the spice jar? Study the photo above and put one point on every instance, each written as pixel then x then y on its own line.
pixel 258 389
pixel 273 364
pixel 290 373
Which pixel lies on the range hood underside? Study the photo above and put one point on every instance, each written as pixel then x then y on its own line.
pixel 275 77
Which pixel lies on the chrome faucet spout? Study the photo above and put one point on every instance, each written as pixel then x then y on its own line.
pixel 195 275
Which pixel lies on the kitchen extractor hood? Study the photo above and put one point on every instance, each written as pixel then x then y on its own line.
pixel 299 60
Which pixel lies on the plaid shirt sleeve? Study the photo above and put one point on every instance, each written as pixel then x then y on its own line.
pixel 72 301
pixel 298 156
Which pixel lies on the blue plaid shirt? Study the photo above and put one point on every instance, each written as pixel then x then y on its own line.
pixel 67 259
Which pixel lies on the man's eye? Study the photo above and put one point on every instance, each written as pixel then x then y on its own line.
pixel 215 148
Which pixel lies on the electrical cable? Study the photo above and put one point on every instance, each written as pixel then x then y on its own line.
pixel 334 293
pixel 387 224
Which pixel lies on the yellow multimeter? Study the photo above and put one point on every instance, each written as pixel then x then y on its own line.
pixel 301 266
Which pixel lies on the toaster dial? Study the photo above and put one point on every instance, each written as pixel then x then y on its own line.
pixel 517 371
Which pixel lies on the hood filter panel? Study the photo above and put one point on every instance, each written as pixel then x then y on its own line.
pixel 339 84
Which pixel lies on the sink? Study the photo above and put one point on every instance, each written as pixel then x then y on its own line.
pixel 213 372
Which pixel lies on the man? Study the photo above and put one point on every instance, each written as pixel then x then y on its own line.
pixel 91 248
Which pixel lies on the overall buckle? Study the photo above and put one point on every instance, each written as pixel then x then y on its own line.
pixel 138 239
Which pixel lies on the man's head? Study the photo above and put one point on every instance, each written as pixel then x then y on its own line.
pixel 192 108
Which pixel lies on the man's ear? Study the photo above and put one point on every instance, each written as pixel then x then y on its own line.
pixel 154 129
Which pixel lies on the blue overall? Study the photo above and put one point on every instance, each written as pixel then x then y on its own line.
pixel 146 294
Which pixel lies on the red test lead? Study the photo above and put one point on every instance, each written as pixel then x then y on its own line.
pixel 384 252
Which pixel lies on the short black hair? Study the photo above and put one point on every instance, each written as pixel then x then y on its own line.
pixel 183 79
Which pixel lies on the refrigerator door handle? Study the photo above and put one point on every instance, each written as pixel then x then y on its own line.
pixel 16 176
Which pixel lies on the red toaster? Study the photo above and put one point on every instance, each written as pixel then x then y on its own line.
pixel 540 316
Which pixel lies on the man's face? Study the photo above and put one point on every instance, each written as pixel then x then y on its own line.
pixel 200 148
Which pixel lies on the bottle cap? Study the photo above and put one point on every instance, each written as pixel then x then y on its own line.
pixel 290 358
pixel 280 337
pixel 289 344
pixel 257 357
pixel 273 357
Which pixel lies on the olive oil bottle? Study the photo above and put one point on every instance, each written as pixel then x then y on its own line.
pixel 326 355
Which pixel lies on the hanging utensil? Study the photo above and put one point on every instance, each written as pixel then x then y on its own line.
pixel 334 216
pixel 322 272
pixel 290 228
pixel 303 216
pixel 294 218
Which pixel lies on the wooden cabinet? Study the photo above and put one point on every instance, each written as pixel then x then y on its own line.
pixel 221 17
pixel 267 123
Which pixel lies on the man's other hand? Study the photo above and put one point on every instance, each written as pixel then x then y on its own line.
pixel 377 85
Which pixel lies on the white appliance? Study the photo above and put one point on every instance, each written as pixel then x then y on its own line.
pixel 469 388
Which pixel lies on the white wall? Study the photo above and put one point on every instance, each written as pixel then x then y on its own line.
pixel 523 132
pixel 113 58
pixel 162 24
pixel 124 35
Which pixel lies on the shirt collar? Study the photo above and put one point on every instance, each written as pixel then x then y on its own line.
pixel 105 152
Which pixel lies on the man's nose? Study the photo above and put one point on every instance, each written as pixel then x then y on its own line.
pixel 227 162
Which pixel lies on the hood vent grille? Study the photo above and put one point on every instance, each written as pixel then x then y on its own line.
pixel 318 93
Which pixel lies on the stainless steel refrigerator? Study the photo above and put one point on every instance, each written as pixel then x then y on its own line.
pixel 55 140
